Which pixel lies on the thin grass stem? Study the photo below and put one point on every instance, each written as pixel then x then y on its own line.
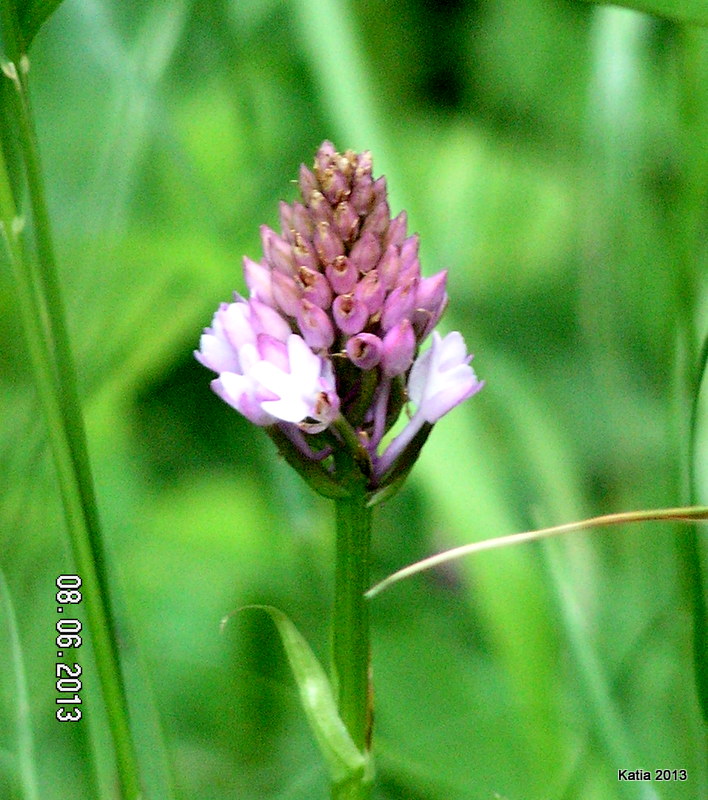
pixel 41 310
pixel 687 514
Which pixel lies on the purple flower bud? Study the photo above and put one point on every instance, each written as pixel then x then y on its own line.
pixel 396 232
pixel 362 193
pixel 324 158
pixel 342 275
pixel 307 183
pixel 320 209
pixel 410 265
pixel 335 185
pixel 389 267
pixel 350 314
pixel 366 252
pixel 315 326
pixel 431 291
pixel 409 249
pixel 316 287
pixel 365 350
pixel 398 349
pixel 301 221
pixel 346 221
pixel 277 251
pixel 377 220
pixel 370 291
pixel 327 243
pixel 285 293
pixel 258 281
pixel 285 212
pixel 430 302
pixel 304 253
pixel 399 304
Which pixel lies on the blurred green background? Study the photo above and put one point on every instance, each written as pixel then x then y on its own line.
pixel 544 152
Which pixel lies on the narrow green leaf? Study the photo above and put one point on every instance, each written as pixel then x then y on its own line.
pixel 339 751
pixel 686 11
pixel 33 14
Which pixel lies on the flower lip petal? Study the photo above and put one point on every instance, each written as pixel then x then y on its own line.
pixel 441 377
pixel 216 354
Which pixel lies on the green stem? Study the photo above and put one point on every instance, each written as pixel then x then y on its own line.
pixel 687 240
pixel 43 322
pixel 351 648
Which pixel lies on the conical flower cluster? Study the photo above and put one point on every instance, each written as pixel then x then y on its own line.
pixel 323 352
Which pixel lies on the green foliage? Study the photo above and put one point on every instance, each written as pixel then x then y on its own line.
pixel 548 154
pixel 336 745
pixel 689 11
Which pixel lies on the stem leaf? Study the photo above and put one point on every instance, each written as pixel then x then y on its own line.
pixel 33 14
pixel 343 759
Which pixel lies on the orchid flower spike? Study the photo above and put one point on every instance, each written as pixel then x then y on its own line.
pixel 324 353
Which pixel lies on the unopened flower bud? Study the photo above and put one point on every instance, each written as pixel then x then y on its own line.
pixel 327 243
pixel 370 291
pixel 335 186
pixel 342 275
pixel 301 221
pixel 307 183
pixel 258 281
pixel 389 267
pixel 314 325
pixel 285 293
pixel 409 250
pixel 320 209
pixel 350 314
pixel 277 251
pixel 410 269
pixel 396 232
pixel 399 304
pixel 324 158
pixel 398 349
pixel 316 287
pixel 365 350
pixel 304 253
pixel 430 302
pixel 362 193
pixel 285 212
pixel 378 218
pixel 346 220
pixel 366 252
pixel 431 291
